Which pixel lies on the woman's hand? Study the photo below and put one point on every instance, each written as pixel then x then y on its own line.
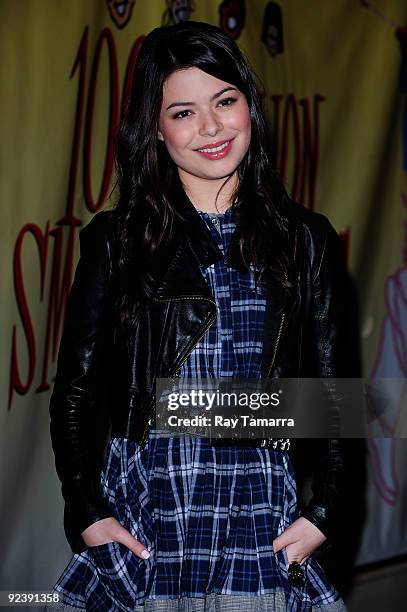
pixel 300 540
pixel 110 530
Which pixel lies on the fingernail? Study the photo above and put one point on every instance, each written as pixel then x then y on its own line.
pixel 145 554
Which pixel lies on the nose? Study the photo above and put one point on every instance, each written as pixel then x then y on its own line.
pixel 210 124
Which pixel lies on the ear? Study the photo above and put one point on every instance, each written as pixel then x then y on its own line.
pixel 159 135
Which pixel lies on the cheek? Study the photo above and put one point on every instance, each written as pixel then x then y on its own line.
pixel 241 119
pixel 244 126
pixel 176 134
pixel 244 119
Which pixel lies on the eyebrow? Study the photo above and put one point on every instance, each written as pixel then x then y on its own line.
pixel 219 93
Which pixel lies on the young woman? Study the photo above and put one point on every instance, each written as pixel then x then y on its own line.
pixel 204 268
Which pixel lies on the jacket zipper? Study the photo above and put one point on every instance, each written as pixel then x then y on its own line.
pixel 208 324
pixel 175 374
pixel 280 329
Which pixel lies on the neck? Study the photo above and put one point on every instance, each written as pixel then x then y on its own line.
pixel 203 192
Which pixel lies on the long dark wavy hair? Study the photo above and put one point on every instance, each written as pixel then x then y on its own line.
pixel 148 179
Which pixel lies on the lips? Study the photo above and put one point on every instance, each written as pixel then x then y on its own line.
pixel 216 150
pixel 211 145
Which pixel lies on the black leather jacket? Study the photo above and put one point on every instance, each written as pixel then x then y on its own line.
pixel 105 385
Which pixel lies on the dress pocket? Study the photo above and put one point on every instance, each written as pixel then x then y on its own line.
pixel 320 589
pixel 300 592
pixel 316 589
pixel 118 569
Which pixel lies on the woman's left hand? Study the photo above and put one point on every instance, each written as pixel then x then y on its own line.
pixel 300 540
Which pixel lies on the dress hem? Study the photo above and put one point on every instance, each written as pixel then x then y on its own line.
pixel 213 602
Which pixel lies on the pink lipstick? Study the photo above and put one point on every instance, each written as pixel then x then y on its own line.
pixel 216 150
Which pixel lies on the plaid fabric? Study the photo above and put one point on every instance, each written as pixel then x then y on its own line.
pixel 207 515
pixel 233 344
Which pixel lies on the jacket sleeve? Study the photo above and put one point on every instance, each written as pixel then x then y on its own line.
pixel 79 421
pixel 328 350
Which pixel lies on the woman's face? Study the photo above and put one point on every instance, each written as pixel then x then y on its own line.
pixel 205 124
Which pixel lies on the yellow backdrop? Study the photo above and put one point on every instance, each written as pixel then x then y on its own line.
pixel 331 76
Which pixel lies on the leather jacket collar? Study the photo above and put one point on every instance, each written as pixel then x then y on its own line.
pixel 200 239
pixel 180 278
pixel 194 236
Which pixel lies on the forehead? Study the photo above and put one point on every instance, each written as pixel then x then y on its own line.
pixel 192 83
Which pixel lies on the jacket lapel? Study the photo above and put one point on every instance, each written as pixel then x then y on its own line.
pixel 183 276
pixel 196 250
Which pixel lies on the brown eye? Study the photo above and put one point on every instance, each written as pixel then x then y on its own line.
pixel 227 101
pixel 180 115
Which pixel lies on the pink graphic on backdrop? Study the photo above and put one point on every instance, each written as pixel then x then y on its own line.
pixel 391 359
pixel 391 362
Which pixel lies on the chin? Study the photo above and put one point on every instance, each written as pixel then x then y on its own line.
pixel 219 171
pixel 218 175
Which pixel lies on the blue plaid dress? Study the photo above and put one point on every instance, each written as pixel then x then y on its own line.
pixel 207 515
